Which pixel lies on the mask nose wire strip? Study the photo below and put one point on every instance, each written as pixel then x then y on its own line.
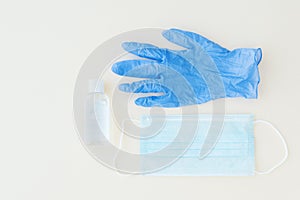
pixel 284 145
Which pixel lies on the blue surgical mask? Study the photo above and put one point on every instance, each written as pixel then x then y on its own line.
pixel 231 155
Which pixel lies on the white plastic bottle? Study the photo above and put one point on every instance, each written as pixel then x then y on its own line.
pixel 97 114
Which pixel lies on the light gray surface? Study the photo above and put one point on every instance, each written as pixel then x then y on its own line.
pixel 44 43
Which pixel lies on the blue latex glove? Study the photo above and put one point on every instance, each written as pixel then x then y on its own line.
pixel 202 72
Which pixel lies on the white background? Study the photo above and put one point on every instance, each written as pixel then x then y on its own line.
pixel 42 47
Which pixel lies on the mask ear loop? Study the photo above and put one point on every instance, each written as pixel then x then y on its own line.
pixel 120 145
pixel 284 145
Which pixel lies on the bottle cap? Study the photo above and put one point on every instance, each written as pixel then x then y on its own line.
pixel 96 86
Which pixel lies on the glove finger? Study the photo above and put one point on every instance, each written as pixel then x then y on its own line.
pixel 179 39
pixel 144 50
pixel 161 101
pixel 205 43
pixel 144 86
pixel 138 68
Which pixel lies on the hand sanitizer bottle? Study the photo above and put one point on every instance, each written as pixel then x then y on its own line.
pixel 96 114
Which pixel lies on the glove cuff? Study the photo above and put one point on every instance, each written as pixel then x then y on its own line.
pixel 247 79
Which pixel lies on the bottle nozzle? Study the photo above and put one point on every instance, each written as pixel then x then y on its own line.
pixel 96 86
